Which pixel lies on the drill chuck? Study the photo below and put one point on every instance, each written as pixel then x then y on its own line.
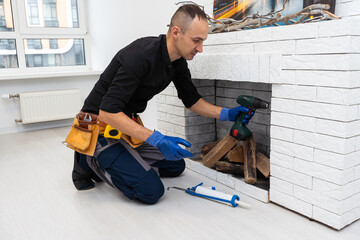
pixel 258 103
pixel 252 102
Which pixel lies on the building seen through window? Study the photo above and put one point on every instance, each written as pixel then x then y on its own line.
pixel 53 43
pixel 54 52
pixel 52 13
pixel 8 56
pixel 6 21
pixel 50 50
pixel 33 12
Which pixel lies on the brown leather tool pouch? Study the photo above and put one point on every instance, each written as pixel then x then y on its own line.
pixel 84 133
pixel 133 142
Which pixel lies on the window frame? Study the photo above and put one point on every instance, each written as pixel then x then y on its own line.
pixel 22 31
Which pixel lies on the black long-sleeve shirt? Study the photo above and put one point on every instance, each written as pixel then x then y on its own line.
pixel 137 73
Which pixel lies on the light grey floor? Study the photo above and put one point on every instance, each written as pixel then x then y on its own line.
pixel 38 201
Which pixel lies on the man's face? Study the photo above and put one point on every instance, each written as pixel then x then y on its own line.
pixel 191 42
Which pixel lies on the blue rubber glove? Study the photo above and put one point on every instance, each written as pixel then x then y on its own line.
pixel 169 146
pixel 231 114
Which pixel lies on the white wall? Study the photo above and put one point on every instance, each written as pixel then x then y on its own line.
pixel 10 108
pixel 117 23
pixel 112 24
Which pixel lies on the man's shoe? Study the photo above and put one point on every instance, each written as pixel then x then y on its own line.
pixel 82 179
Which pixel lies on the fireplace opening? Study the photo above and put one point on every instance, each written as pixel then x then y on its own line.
pixel 202 131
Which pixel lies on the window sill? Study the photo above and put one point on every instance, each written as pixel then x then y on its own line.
pixel 54 74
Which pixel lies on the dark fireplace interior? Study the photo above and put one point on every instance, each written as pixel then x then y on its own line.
pixel 201 131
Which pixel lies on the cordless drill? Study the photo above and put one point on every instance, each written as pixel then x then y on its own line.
pixel 239 130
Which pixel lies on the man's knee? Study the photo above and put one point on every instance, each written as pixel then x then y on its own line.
pixel 150 189
pixel 173 168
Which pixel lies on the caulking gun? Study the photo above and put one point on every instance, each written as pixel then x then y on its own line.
pixel 212 194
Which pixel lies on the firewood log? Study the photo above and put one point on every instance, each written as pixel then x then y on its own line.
pixel 263 164
pixel 223 146
pixel 206 148
pixel 231 168
pixel 235 155
pixel 249 160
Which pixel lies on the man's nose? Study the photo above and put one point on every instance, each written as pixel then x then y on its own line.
pixel 199 48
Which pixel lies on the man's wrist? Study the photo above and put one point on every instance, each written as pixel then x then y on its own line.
pixel 154 138
pixel 224 114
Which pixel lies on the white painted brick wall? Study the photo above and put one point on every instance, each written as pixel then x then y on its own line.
pixel 292 149
pixel 339 79
pixel 343 44
pixel 344 62
pixel 336 160
pixel 291 202
pixel 357 171
pixel 338 95
pixel 282 105
pixel 282 186
pixel 307 93
pixel 315 198
pixel 335 191
pixel 263 68
pixel 276 62
pixel 314 69
pixel 337 128
pixel 331 219
pixel 282 133
pixel 285 47
pixel 281 160
pixel 287 77
pixel 324 142
pixel 327 111
pixel 326 173
pixel 258 35
pixel 301 31
pixel 293 121
pixel 346 9
pixel 291 176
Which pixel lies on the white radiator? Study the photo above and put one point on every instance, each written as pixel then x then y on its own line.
pixel 49 105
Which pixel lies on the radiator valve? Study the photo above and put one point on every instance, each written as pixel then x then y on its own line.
pixel 8 96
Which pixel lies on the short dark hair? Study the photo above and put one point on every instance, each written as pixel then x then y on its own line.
pixel 184 16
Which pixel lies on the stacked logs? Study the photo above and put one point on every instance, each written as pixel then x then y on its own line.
pixel 239 158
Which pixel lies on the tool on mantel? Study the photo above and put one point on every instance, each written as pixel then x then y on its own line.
pixel 212 194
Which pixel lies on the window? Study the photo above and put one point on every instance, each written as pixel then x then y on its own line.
pixel 42 34
pixel 8 56
pixel 6 23
pixel 65 52
pixel 32 13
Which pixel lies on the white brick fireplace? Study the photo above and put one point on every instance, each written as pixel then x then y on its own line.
pixel 313 71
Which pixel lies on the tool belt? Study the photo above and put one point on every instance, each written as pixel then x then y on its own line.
pixel 85 131
pixel 133 142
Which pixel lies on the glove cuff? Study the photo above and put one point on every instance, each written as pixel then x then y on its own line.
pixel 224 114
pixel 154 138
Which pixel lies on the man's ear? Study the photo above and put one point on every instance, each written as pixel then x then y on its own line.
pixel 175 32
